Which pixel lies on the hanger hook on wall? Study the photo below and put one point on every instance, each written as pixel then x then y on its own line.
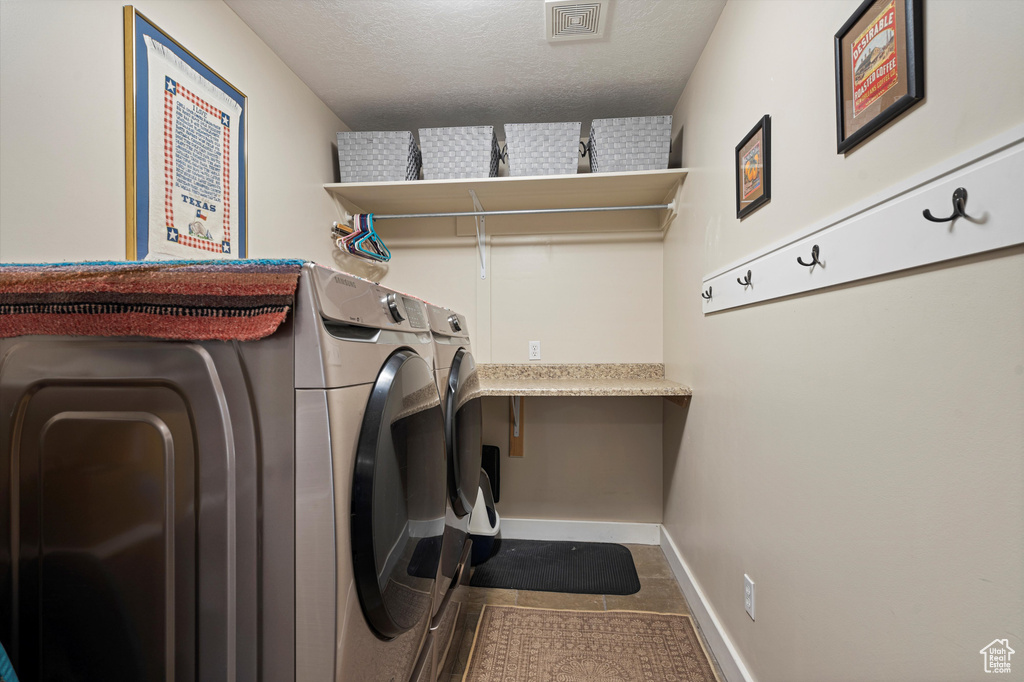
pixel 959 207
pixel 814 258
pixel 745 282
pixel 706 295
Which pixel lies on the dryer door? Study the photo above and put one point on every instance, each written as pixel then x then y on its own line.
pixel 398 496
pixel 464 433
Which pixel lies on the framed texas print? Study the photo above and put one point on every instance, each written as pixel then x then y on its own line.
pixel 753 169
pixel 185 142
pixel 879 68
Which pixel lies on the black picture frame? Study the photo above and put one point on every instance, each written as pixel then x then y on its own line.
pixel 746 207
pixel 911 35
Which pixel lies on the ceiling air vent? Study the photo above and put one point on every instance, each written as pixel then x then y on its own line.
pixel 569 20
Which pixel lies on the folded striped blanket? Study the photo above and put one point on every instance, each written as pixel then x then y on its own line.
pixel 196 300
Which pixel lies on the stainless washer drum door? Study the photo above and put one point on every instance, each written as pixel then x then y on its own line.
pixel 463 433
pixel 398 494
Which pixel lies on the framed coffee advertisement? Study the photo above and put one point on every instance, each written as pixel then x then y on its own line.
pixel 753 169
pixel 879 55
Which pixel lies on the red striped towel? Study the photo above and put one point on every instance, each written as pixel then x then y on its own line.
pixel 240 300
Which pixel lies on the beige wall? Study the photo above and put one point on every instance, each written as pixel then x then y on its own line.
pixel 858 451
pixel 595 459
pixel 585 301
pixel 63 161
pixel 589 459
pixel 62 130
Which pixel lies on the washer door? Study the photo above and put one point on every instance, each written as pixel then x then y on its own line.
pixel 398 495
pixel 463 433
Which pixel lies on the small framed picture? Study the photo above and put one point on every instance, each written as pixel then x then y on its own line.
pixel 879 68
pixel 753 169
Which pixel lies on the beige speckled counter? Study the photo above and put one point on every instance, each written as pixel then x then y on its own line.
pixel 578 380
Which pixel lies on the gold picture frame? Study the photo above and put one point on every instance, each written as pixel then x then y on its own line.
pixel 232 210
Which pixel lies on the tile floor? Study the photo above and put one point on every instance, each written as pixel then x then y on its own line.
pixel 659 593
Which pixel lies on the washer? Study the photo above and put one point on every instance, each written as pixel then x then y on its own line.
pixel 370 481
pixel 163 547
pixel 143 558
pixel 457 383
pixel 253 508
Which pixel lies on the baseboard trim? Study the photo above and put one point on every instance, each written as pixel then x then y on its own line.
pixel 732 665
pixel 581 531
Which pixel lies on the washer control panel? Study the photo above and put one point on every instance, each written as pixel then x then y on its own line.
pixel 392 303
pixel 416 311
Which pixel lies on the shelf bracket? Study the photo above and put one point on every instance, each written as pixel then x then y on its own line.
pixel 481 234
pixel 671 207
pixel 344 208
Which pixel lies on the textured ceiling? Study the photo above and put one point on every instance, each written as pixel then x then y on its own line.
pixel 408 64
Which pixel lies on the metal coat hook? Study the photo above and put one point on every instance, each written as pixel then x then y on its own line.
pixel 814 258
pixel 706 295
pixel 959 207
pixel 745 282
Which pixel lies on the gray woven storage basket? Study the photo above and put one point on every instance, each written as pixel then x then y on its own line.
pixel 542 148
pixel 380 156
pixel 629 144
pixel 463 152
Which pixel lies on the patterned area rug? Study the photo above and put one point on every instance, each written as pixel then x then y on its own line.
pixel 517 644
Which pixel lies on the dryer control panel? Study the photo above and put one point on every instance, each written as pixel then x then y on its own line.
pixel 447 323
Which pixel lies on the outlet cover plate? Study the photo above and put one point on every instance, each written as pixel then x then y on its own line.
pixel 535 350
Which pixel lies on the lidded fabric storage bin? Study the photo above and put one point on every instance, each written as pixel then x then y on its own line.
pixel 461 152
pixel 629 144
pixel 542 148
pixel 381 156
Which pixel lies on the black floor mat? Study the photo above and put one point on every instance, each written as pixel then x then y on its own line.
pixel 577 567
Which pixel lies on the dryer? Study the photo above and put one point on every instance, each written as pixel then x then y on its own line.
pixel 370 481
pixel 458 385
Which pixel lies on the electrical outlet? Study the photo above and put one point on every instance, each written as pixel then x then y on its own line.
pixel 535 350
pixel 748 595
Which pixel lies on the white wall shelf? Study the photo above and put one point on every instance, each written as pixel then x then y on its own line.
pixel 517 193
pixel 888 233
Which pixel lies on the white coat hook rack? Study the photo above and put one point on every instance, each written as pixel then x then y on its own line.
pixel 481 233
pixel 891 231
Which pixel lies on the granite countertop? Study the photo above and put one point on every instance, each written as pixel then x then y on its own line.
pixel 577 380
